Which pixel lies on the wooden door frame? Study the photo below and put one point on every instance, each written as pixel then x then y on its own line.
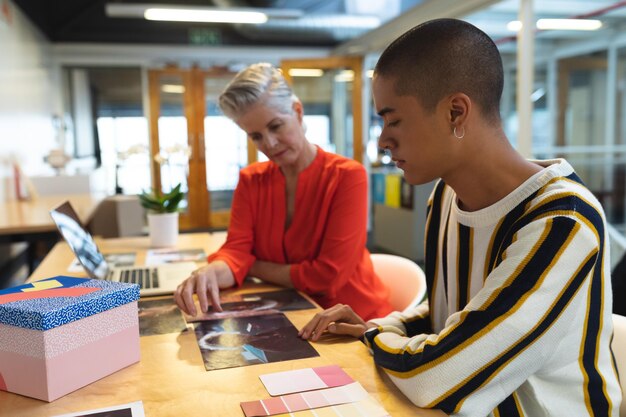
pixel 355 63
pixel 212 218
pixel 154 76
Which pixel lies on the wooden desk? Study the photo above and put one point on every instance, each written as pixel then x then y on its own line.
pixel 30 222
pixel 171 380
pixel 23 217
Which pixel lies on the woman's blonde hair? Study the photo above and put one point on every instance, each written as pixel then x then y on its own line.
pixel 258 83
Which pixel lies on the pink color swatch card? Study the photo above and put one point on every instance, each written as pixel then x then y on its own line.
pixel 308 379
pixel 350 393
pixel 368 407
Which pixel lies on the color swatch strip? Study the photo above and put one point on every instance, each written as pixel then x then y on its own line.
pixel 368 407
pixel 305 400
pixel 308 379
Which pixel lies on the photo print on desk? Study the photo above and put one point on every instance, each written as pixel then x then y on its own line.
pixel 287 299
pixel 113 259
pixel 160 316
pixel 126 410
pixel 252 304
pixel 243 341
pixel 167 256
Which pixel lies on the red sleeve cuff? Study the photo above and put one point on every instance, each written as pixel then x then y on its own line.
pixel 294 275
pixel 239 268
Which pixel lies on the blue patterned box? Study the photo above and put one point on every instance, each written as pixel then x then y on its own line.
pixel 62 333
pixel 35 309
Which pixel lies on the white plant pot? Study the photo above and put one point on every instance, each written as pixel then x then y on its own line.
pixel 163 228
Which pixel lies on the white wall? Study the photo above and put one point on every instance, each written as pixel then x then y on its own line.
pixel 28 97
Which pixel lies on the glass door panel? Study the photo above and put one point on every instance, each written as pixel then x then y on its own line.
pixel 173 134
pixel 171 128
pixel 581 135
pixel 331 92
pixel 197 146
pixel 225 149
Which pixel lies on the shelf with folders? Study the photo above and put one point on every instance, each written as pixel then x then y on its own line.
pixel 389 188
pixel 399 213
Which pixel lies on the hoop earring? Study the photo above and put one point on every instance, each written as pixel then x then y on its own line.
pixel 461 136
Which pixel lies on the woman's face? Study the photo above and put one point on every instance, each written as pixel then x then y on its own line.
pixel 279 136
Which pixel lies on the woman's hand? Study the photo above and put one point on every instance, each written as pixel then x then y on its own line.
pixel 205 282
pixel 339 319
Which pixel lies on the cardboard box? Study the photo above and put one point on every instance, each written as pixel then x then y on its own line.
pixel 62 333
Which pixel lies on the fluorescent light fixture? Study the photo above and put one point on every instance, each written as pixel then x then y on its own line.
pixel 514 26
pixel 215 16
pixel 569 24
pixel 345 76
pixel 306 72
pixel 193 13
pixel 173 88
pixel 559 24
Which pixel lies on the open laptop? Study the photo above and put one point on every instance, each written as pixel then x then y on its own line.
pixel 152 280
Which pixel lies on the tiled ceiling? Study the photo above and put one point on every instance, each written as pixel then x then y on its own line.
pixel 493 20
pixel 324 23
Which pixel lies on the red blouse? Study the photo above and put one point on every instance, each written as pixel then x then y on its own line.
pixel 325 243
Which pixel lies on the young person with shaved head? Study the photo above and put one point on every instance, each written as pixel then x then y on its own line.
pixel 518 318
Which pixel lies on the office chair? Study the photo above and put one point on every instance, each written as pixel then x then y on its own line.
pixel 118 216
pixel 405 280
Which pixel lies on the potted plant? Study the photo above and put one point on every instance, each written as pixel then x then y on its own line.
pixel 163 211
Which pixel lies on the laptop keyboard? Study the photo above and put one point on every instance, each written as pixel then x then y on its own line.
pixel 145 277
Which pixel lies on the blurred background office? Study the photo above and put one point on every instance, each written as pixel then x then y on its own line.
pixel 96 97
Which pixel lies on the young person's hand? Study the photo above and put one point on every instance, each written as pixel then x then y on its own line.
pixel 205 282
pixel 339 319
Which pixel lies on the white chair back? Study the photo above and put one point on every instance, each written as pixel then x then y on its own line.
pixel 405 279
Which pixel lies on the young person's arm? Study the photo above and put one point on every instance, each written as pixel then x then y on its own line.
pixel 507 332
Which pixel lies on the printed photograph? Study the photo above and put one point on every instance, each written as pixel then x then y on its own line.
pixel 160 316
pixel 127 412
pixel 252 304
pixel 134 409
pixel 167 256
pixel 242 341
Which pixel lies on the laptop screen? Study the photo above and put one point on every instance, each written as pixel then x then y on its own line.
pixel 79 240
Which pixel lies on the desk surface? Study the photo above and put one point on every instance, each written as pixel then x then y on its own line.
pixel 171 380
pixel 23 217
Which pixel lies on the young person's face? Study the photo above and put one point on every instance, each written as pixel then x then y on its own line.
pixel 413 134
pixel 277 135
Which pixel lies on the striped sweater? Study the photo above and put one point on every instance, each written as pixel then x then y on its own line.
pixel 519 321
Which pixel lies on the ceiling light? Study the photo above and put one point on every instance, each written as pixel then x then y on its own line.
pixel 345 76
pixel 559 24
pixel 215 16
pixel 568 24
pixel 193 13
pixel 173 88
pixel 514 26
pixel 306 72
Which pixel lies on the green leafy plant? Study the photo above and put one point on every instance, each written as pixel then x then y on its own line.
pixel 157 202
